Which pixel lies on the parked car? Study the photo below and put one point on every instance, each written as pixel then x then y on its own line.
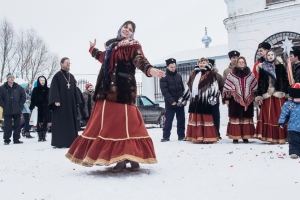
pixel 151 112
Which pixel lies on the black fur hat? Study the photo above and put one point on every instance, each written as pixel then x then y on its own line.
pixel 170 61
pixel 264 45
pixel 233 53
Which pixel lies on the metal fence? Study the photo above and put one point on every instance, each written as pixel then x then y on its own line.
pixel 81 83
pixel 184 70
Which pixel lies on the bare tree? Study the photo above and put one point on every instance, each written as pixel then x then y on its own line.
pixel 7 46
pixel 52 66
pixel 33 58
pixel 27 53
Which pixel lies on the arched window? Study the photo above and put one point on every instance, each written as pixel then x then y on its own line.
pixel 276 42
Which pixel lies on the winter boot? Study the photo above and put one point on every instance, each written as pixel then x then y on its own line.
pixel 119 166
pixel 18 142
pixel 27 135
pixel 235 141
pixel 44 136
pixel 165 140
pixel 23 132
pixel 246 141
pixel 294 156
pixel 134 166
pixel 40 134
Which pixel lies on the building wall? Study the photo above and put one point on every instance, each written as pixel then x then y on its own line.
pixel 251 22
pixel 240 7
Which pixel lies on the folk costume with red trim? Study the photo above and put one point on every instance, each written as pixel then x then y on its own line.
pixel 272 91
pixel 239 89
pixel 115 131
pixel 204 88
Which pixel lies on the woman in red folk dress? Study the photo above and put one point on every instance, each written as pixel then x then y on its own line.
pixel 271 95
pixel 116 132
pixel 239 93
pixel 204 87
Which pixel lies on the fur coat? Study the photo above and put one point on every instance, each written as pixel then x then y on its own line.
pixel 268 88
pixel 208 91
pixel 125 60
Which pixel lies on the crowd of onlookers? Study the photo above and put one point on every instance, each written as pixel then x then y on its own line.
pixel 26 109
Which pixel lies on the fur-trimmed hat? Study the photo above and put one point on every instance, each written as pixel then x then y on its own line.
pixel 170 61
pixel 264 45
pixel 88 85
pixel 9 75
pixel 294 90
pixel 233 53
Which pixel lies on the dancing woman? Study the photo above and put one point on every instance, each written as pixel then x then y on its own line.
pixel 116 132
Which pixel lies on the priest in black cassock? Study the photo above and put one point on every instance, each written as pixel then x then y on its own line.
pixel 63 99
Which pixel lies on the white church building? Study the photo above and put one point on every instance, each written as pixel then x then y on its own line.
pixel 249 23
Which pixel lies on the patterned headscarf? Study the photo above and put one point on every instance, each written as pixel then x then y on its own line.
pixel 108 54
pixel 269 66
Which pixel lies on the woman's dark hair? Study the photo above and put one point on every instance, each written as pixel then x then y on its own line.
pixel 63 60
pixel 132 24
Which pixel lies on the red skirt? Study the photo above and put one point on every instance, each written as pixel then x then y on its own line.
pixel 201 128
pixel 240 128
pixel 115 132
pixel 267 128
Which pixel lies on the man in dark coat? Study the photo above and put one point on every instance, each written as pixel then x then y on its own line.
pixel 295 61
pixel 63 99
pixel 172 89
pixel 12 99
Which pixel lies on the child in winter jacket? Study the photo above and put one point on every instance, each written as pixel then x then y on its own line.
pixel 291 113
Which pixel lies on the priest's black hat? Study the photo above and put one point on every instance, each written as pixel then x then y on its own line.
pixel 294 90
pixel 212 62
pixel 170 61
pixel 264 45
pixel 233 53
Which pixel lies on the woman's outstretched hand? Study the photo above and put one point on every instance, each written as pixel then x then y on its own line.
pixel 92 44
pixel 158 73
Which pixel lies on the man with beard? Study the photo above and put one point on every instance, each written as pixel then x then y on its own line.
pixel 63 99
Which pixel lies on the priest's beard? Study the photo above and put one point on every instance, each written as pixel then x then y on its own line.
pixel 65 68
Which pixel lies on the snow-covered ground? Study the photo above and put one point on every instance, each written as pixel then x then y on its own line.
pixel 36 171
